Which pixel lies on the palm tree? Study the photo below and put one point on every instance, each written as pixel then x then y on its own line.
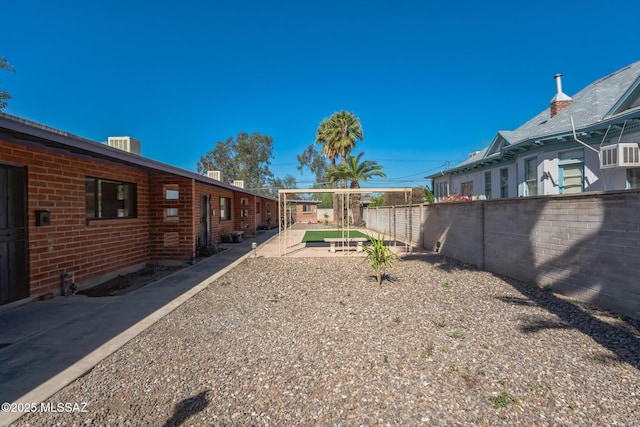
pixel 355 171
pixel 338 134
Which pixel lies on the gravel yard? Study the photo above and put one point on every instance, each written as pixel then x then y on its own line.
pixel 307 341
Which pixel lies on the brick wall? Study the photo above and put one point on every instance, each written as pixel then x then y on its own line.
pixel 307 217
pixel 171 238
pixel 72 244
pixel 585 246
pixel 217 225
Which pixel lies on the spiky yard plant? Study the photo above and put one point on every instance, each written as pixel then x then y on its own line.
pixel 380 257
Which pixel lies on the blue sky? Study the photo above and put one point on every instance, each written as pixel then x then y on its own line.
pixel 430 81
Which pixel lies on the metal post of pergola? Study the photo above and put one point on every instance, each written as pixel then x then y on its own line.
pixel 284 233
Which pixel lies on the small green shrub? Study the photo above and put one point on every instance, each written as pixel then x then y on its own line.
pixel 502 400
pixel 621 316
pixel 380 257
pixel 456 333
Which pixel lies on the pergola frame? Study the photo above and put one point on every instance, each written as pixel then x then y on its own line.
pixel 284 234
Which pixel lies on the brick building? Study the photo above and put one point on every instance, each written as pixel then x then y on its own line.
pixel 73 206
pixel 306 211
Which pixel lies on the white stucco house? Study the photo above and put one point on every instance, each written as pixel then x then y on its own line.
pixel 587 142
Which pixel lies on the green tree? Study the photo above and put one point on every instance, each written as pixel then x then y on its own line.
pixel 326 200
pixel 355 170
pixel 246 157
pixel 338 135
pixel 377 200
pixel 276 184
pixel 428 195
pixel 313 160
pixel 4 95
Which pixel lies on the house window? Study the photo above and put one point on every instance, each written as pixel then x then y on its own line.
pixel 467 189
pixel 487 185
pixel 531 176
pixel 306 208
pixel 107 199
pixel 257 207
pixel 633 179
pixel 441 190
pixel 225 208
pixel 504 183
pixel 571 171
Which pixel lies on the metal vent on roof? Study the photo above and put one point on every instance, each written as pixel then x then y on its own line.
pixel 217 175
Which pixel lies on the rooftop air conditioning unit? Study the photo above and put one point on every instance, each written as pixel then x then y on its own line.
pixel 217 175
pixel 238 183
pixel 621 155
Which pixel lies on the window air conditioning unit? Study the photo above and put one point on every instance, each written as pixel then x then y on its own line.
pixel 622 155
pixel 217 175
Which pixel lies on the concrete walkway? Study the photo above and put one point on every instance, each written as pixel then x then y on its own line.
pixel 46 345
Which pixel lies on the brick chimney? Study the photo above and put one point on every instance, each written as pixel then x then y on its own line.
pixel 561 100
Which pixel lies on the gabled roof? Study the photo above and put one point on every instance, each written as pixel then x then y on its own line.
pixel 596 105
pixel 35 134
pixel 590 106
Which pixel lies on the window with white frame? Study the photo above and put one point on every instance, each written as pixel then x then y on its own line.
pixel 531 176
pixel 633 179
pixel 504 183
pixel 571 171
pixel 487 185
pixel 306 207
pixel 441 189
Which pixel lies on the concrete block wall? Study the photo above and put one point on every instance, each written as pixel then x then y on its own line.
pixel 459 229
pixel 379 219
pixel 399 222
pixel 585 246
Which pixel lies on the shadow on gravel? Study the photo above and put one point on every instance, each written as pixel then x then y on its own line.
pixel 622 340
pixel 187 408
pixel 620 337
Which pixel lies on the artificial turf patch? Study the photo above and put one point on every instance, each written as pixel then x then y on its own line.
pixel 320 235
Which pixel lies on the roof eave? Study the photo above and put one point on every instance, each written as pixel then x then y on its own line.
pixel 41 135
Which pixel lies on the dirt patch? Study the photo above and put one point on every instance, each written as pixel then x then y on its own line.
pixel 126 283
